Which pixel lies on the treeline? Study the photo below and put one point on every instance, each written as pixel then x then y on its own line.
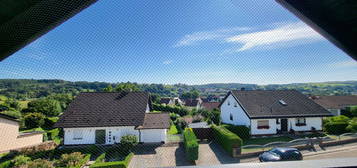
pixel 27 89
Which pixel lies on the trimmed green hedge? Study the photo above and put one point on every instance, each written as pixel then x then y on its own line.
pixel 240 130
pixel 100 158
pixel 352 110
pixel 336 128
pixel 191 145
pixel 117 164
pixel 5 164
pixel 227 139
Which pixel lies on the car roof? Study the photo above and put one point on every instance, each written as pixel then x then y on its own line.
pixel 285 149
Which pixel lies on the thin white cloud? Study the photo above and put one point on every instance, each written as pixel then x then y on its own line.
pixel 219 34
pixel 167 62
pixel 345 64
pixel 277 36
pixel 284 34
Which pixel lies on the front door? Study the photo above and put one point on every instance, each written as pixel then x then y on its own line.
pixel 100 136
pixel 284 125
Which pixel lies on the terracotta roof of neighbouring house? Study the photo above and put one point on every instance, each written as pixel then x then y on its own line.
pixel 165 100
pixel 191 102
pixel 106 109
pixel 335 102
pixel 4 116
pixel 277 104
pixel 210 105
pixel 156 121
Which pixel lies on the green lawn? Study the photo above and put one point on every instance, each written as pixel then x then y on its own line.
pixel 263 141
pixel 173 130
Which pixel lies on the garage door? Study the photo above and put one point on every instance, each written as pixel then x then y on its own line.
pixel 153 135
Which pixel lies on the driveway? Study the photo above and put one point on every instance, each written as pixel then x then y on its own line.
pixel 158 156
pixel 169 156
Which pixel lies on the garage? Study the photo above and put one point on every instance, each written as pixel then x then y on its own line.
pixel 153 135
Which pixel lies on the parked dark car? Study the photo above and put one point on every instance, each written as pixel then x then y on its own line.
pixel 280 154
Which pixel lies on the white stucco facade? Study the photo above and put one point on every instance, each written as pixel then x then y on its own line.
pixel 231 107
pixel 74 136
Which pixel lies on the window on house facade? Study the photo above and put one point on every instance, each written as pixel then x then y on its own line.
pixel 231 117
pixel 77 134
pixel 263 124
pixel 300 122
pixel 277 121
pixel 235 104
pixel 229 103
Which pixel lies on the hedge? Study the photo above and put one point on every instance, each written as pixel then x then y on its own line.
pixel 117 164
pixel 5 164
pixel 227 139
pixel 336 128
pixel 191 145
pixel 240 130
pixel 352 110
pixel 100 158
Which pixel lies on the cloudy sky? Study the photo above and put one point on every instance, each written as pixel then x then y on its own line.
pixel 193 42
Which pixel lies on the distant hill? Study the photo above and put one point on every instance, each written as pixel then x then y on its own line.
pixel 24 89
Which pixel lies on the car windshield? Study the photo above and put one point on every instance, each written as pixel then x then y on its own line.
pixel 276 151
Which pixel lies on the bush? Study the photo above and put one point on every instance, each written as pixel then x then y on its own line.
pixel 100 158
pixel 34 120
pixel 336 128
pixel 20 160
pixel 40 163
pixel 48 107
pixel 227 139
pixel 127 143
pixel 53 134
pixel 174 116
pixel 49 122
pixel 172 109
pixel 73 160
pixel 240 130
pixel 340 118
pixel 352 127
pixel 352 110
pixel 117 164
pixel 15 114
pixel 6 164
pixel 191 145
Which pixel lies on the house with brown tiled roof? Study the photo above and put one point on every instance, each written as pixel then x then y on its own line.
pixel 335 104
pixel 11 138
pixel 103 118
pixel 210 105
pixel 193 103
pixel 268 112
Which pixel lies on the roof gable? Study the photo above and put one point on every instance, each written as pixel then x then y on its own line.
pixel 105 109
pixel 267 104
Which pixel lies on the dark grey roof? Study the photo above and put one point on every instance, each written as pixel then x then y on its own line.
pixel 265 104
pixel 156 121
pixel 191 102
pixel 165 100
pixel 8 117
pixel 335 102
pixel 105 109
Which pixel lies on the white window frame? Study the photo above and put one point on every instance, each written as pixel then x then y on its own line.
pixel 77 134
pixel 263 124
pixel 301 121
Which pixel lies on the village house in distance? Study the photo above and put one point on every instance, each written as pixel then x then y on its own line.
pixel 335 104
pixel 104 117
pixel 11 139
pixel 272 112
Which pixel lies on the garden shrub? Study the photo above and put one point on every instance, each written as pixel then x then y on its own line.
pixel 227 139
pixel 6 164
pixel 49 122
pixel 191 145
pixel 117 164
pixel 240 130
pixel 352 127
pixel 336 128
pixel 20 160
pixel 340 118
pixel 73 160
pixel 34 120
pixel 127 143
pixel 39 163
pixel 352 110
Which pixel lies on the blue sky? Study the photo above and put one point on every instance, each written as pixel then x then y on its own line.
pixel 193 42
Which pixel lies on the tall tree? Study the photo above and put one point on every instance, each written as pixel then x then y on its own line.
pixel 48 107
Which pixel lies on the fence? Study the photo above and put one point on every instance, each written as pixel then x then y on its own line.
pixel 307 142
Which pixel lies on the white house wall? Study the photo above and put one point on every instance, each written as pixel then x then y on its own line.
pixel 89 134
pixel 255 131
pixel 153 135
pixel 239 116
pixel 315 122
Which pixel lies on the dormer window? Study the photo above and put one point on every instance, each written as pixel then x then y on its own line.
pixel 282 102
